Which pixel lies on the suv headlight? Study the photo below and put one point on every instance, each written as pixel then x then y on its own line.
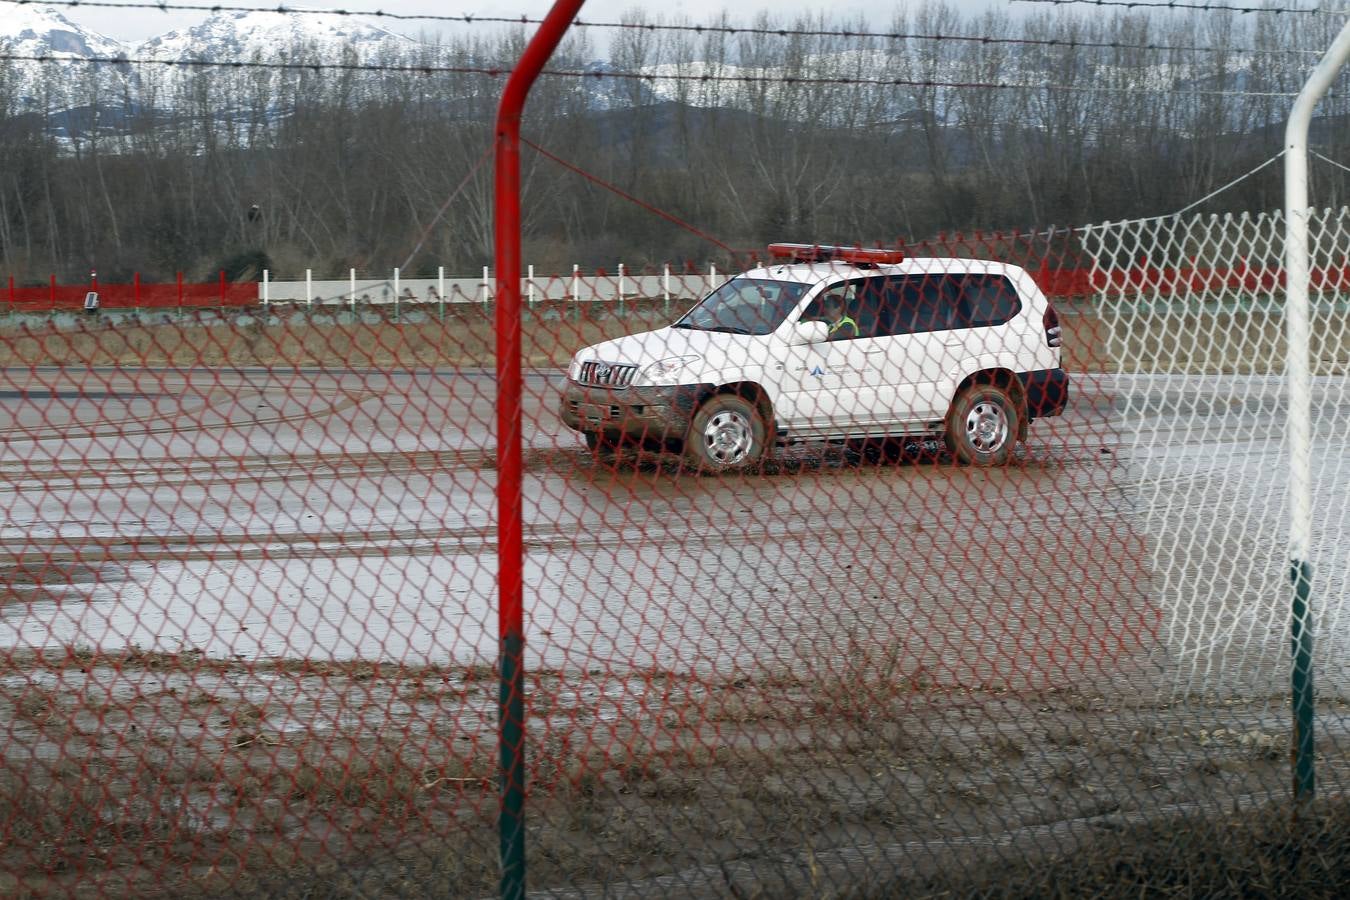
pixel 574 368
pixel 665 371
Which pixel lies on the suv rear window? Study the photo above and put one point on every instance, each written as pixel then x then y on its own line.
pixel 983 300
pixel 914 304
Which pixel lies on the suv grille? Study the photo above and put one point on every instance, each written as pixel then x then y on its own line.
pixel 607 374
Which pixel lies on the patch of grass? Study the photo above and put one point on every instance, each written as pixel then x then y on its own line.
pixel 870 681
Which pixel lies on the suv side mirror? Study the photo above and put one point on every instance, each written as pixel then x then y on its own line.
pixel 810 332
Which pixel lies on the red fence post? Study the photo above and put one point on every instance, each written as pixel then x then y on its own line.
pixel 510 383
pixel 180 289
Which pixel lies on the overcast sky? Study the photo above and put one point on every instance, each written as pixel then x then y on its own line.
pixel 139 24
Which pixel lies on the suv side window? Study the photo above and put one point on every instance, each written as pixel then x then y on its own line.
pixel 915 304
pixel 983 300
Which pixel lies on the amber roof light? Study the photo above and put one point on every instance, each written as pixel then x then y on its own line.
pixel 860 256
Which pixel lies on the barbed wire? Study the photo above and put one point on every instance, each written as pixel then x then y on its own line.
pixel 651 77
pixel 643 204
pixel 731 30
pixel 1174 5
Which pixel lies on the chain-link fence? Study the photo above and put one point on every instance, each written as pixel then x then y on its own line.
pixel 940 625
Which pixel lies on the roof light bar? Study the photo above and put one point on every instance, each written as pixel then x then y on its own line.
pixel 860 256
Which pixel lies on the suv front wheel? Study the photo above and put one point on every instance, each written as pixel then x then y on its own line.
pixel 982 425
pixel 727 433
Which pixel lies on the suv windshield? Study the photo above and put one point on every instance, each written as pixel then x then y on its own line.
pixel 745 306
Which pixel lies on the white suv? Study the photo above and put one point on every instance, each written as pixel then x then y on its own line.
pixel 837 344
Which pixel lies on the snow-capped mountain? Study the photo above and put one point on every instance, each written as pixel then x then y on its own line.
pixel 246 35
pixel 43 31
pixel 63 91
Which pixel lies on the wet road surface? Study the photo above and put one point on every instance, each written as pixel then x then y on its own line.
pixel 1136 543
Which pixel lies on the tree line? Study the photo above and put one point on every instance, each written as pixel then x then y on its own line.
pixel 818 134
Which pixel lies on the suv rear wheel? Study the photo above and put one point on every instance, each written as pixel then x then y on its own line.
pixel 982 425
pixel 727 433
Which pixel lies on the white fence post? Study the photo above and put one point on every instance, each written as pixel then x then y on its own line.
pixel 485 286
pixel 440 288
pixel 353 276
pixel 712 276
pixel 397 298
pixel 529 287
pixel 1298 319
pixel 266 300
pixel 309 287
pixel 576 290
pixel 665 289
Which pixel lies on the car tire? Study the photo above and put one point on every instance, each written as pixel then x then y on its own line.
pixel 727 434
pixel 982 425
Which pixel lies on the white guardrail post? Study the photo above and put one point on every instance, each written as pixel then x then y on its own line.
pixel 1298 321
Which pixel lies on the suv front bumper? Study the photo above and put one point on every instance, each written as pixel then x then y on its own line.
pixel 633 413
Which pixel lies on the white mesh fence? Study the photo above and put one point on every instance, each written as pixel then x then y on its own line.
pixel 1194 329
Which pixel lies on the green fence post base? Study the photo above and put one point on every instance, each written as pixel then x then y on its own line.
pixel 1301 678
pixel 511 822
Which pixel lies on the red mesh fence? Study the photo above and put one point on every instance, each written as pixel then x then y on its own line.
pixel 53 296
pixel 854 599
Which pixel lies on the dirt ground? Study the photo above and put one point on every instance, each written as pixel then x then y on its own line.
pixel 175 775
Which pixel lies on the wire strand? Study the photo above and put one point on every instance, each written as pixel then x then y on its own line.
pixel 731 30
pixel 650 77
pixel 1333 162
pixel 625 195
pixel 1172 5
pixel 1236 181
pixel 464 182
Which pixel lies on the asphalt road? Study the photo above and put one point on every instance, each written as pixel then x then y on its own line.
pixel 1137 544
